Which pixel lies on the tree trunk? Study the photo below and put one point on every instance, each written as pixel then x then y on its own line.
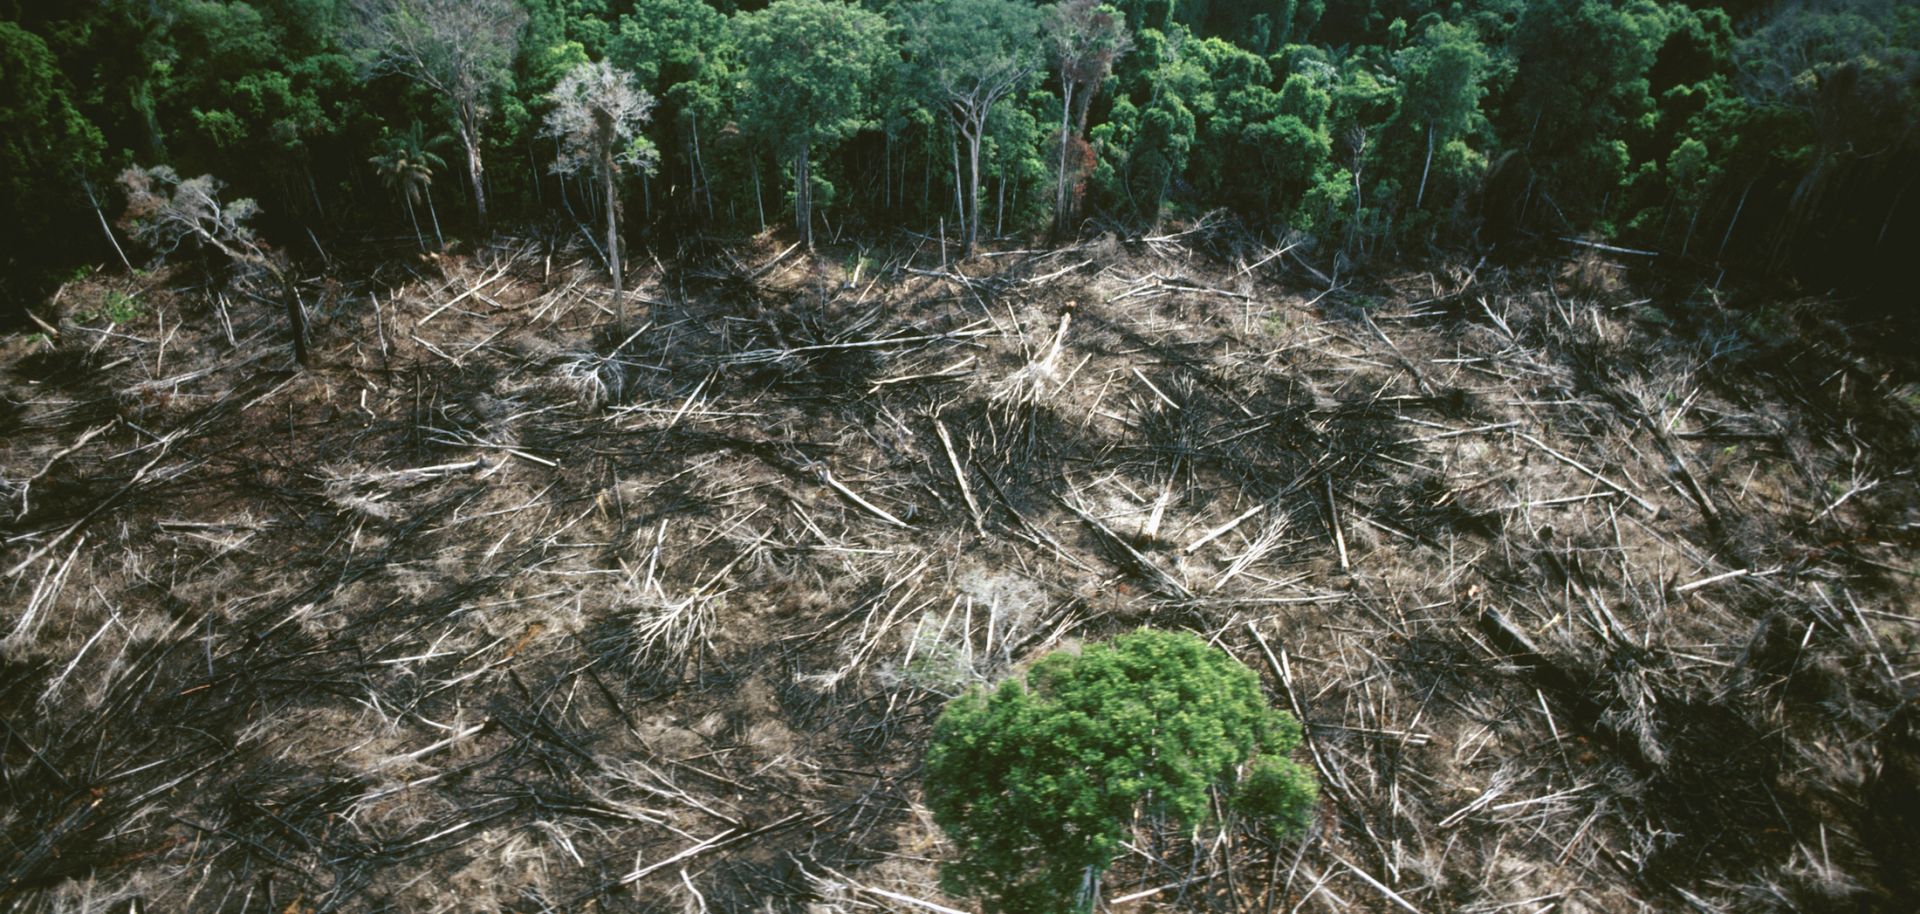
pixel 700 165
pixel 1082 105
pixel 1089 894
pixel 314 189
pixel 693 173
pixel 533 164
pixel 296 316
pixel 417 237
pixel 803 198
pixel 953 143
pixel 1881 239
pixel 1060 215
pixel 1000 208
pixel 1422 195
pixel 974 131
pixel 1722 252
pixel 1016 199
pixel 613 238
pixel 476 172
pixel 104 227
pixel 759 203
pixel 1160 197
pixel 439 242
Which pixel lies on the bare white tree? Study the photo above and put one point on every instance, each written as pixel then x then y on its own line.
pixel 597 115
pixel 459 49
pixel 164 211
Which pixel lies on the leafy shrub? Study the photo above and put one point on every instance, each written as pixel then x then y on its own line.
pixel 1039 780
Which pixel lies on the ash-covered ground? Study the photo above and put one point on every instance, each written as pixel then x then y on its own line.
pixel 1596 589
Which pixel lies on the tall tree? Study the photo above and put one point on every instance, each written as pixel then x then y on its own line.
pixel 1443 78
pixel 1146 146
pixel 1258 150
pixel 461 50
pixel 1580 93
pixel 597 115
pixel 1845 83
pixel 1086 38
pixel 254 90
pixel 967 55
pixel 808 67
pixel 676 50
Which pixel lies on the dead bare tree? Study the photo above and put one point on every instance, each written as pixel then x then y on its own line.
pixel 163 211
pixel 597 115
pixel 459 49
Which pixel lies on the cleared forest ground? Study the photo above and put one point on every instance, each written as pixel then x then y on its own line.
pixel 1596 596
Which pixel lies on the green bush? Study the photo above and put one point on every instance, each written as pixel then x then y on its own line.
pixel 1038 781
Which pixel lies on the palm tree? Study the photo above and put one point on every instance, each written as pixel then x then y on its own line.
pixel 406 165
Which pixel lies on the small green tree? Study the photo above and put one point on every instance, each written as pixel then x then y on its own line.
pixel 406 165
pixel 1039 781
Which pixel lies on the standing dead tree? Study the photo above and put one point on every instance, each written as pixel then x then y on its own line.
pixel 597 115
pixel 163 211
pixel 460 49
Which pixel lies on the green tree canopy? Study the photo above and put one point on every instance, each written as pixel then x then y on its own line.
pixel 965 56
pixel 1581 94
pixel 1443 79
pixel 1146 145
pixel 1039 780
pixel 808 69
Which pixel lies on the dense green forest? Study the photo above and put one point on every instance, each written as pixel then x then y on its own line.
pixel 1771 135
